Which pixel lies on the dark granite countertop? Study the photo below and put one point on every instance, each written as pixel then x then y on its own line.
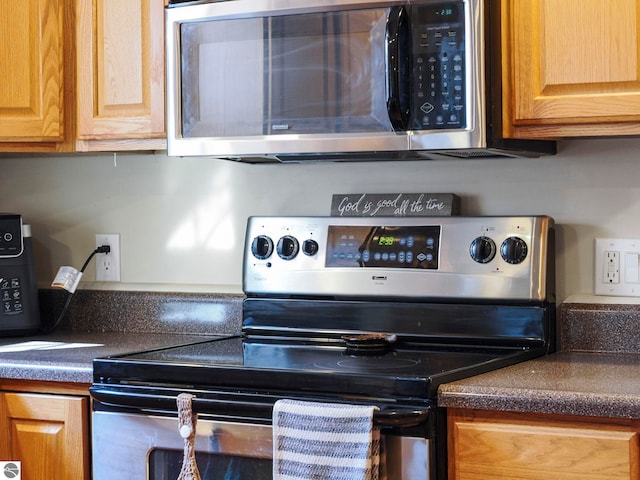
pixel 596 371
pixel 573 383
pixel 119 322
pixel 75 364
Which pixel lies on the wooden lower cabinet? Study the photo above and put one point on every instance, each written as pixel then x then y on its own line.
pixel 48 433
pixel 521 446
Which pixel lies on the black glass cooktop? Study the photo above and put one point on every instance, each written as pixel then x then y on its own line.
pixel 262 365
pixel 295 347
pixel 320 357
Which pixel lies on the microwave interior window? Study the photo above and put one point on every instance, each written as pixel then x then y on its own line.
pixel 296 74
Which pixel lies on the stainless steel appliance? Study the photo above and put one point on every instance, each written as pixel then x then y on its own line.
pixel 375 311
pixel 290 81
pixel 20 314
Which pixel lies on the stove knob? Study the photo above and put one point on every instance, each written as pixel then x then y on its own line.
pixel 513 250
pixel 482 250
pixel 288 247
pixel 262 247
pixel 310 247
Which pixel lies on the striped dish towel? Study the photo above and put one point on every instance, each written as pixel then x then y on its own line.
pixel 324 441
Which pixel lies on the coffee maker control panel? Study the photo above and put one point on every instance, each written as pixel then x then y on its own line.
pixel 11 244
pixel 11 296
pixel 19 311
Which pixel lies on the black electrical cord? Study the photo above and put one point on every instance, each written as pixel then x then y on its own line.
pixel 101 249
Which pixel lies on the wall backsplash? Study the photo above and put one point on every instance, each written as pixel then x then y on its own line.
pixel 181 220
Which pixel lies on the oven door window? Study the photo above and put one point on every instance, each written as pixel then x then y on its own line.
pixel 320 73
pixel 164 463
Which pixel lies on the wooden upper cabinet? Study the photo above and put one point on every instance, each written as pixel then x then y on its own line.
pixel 82 75
pixel 31 71
pixel 120 74
pixel 572 67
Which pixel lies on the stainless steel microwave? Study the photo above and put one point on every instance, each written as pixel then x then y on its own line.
pixel 297 80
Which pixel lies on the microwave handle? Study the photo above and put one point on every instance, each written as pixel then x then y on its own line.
pixel 398 54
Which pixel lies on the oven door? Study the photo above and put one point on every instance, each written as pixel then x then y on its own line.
pixel 134 446
pixel 130 446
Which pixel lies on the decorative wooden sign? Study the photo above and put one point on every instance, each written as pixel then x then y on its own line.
pixel 394 204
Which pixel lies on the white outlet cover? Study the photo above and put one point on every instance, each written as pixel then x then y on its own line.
pixel 628 258
pixel 108 264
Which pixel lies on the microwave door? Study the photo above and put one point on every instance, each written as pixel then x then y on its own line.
pixel 317 73
pixel 326 73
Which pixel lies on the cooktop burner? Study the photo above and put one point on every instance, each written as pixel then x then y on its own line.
pixel 369 363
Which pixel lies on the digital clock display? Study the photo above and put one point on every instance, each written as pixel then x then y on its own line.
pixel 386 240
pixel 444 12
pixel 383 246
pixel 443 15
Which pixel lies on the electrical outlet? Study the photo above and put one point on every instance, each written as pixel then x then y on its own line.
pixel 108 264
pixel 617 267
pixel 611 267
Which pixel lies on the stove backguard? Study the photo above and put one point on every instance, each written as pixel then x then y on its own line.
pixel 460 259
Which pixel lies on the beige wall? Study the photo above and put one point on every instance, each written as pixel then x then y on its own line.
pixel 181 220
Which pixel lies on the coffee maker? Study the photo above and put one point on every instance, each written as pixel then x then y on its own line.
pixel 19 311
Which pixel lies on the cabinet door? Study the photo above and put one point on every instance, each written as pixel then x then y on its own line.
pixel 575 67
pixel 31 70
pixel 490 446
pixel 48 434
pixel 120 71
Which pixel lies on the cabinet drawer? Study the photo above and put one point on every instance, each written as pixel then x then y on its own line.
pixel 496 450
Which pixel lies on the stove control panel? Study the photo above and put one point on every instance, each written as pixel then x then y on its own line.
pixel 383 246
pixel 444 257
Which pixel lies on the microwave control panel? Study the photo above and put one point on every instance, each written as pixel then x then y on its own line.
pixel 438 33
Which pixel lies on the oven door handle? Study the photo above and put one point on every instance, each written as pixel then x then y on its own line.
pixel 401 418
pixel 166 401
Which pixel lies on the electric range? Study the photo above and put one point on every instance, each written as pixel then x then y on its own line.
pixel 359 310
